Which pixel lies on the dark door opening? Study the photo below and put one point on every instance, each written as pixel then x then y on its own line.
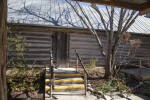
pixel 60 49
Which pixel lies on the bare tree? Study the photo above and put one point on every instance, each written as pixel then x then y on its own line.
pixel 3 34
pixel 127 18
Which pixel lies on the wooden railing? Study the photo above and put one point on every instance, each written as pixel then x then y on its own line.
pixel 85 71
pixel 138 66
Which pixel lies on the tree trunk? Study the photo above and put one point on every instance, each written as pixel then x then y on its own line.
pixel 3 35
pixel 108 70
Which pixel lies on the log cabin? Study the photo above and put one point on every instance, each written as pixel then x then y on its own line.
pixel 51 25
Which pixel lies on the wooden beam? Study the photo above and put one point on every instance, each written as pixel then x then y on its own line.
pixel 145 8
pixel 3 35
pixel 145 11
pixel 119 4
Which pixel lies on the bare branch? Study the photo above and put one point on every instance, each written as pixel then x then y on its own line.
pixel 100 14
pixel 108 11
pixel 127 27
pixel 92 30
pixel 127 23
pixel 86 16
pixel 111 20
pixel 120 21
pixel 79 16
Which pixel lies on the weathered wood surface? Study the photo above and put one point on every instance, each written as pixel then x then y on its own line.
pixel 60 48
pixel 135 72
pixel 40 45
pixel 87 47
pixel 85 71
pixel 3 35
pixel 41 41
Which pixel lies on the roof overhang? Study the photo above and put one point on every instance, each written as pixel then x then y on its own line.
pixel 49 28
pixel 143 6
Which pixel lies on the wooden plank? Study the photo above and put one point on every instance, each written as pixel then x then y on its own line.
pixel 145 8
pixel 120 4
pixel 60 48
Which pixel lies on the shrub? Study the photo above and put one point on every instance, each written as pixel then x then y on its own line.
pixel 16 47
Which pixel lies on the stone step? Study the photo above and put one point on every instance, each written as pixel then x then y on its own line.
pixel 66 81
pixel 58 94
pixel 147 82
pixel 146 78
pixel 62 70
pixel 73 87
pixel 64 75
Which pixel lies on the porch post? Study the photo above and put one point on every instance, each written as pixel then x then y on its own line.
pixel 3 35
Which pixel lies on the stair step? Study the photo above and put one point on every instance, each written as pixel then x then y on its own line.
pixel 64 74
pixel 146 78
pixel 65 87
pixel 62 71
pixel 67 80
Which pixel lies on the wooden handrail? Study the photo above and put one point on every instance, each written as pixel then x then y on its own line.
pixel 137 66
pixel 140 64
pixel 52 77
pixel 85 71
pixel 143 59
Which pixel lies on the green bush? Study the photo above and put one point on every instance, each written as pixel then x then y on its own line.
pixel 25 79
pixel 92 63
pixel 113 85
pixel 16 47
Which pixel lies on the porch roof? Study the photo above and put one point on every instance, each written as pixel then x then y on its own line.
pixel 140 5
pixel 56 13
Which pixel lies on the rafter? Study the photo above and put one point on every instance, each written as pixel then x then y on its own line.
pixel 145 8
pixel 119 4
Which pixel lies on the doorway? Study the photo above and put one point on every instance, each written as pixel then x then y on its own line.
pixel 60 49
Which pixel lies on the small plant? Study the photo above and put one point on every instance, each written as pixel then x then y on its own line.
pixel 113 85
pixel 16 47
pixel 23 81
pixel 92 63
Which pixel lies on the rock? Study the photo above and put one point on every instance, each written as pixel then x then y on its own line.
pixel 89 85
pixel 107 97
pixel 90 89
pixel 28 99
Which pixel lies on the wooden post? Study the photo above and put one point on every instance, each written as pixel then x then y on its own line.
pixel 51 88
pixel 140 70
pixel 53 78
pixel 51 81
pixel 81 63
pixel 85 83
pixel 3 36
pixel 50 72
pixel 77 65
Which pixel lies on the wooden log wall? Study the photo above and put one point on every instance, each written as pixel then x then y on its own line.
pixel 87 48
pixel 38 53
pixel 41 42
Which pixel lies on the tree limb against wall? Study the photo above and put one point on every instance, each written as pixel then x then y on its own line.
pixel 127 18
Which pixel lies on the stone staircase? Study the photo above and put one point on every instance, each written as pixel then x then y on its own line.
pixel 66 80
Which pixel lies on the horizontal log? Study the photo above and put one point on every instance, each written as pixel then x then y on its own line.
pixel 38 38
pixel 40 47
pixel 37 41
pixel 36 32
pixel 143 59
